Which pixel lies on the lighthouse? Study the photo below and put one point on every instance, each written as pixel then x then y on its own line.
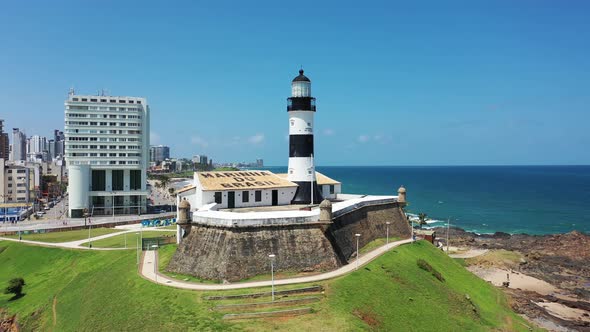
pixel 301 108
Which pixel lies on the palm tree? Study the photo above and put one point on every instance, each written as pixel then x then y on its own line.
pixel 422 217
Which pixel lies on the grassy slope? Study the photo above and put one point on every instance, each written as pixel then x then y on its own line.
pixel 67 236
pixel 393 294
pixel 119 240
pixel 409 298
pixel 96 291
pixel 101 291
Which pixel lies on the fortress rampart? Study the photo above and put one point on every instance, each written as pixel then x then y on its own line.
pixel 235 246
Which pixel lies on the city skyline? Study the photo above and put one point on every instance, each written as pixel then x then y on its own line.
pixel 405 87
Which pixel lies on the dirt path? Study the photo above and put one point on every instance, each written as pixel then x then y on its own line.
pixel 53 308
pixel 469 253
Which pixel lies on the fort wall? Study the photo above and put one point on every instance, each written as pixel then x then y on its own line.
pixel 234 253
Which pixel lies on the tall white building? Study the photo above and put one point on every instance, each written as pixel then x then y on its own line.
pixel 19 145
pixel 106 150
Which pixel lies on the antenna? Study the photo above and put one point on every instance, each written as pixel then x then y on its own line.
pixel 72 92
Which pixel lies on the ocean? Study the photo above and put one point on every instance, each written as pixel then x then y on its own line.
pixel 481 199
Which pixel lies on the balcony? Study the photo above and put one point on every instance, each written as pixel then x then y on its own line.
pixel 301 104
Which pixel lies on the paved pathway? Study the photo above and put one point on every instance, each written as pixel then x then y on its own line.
pixel 78 243
pixel 147 270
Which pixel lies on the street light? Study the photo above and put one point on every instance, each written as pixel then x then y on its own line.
pixel 413 238
pixel 387 223
pixel 89 242
pixel 272 275
pixel 137 245
pixel 155 247
pixel 357 250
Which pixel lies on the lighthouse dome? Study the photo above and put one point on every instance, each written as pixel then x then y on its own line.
pixel 301 77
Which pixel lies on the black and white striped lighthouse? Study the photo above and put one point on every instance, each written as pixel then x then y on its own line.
pixel 301 108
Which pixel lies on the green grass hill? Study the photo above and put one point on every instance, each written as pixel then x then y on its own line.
pixel 75 290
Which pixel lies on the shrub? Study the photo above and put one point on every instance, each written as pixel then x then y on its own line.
pixel 15 286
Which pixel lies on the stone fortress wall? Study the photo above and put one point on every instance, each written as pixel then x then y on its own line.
pixel 233 253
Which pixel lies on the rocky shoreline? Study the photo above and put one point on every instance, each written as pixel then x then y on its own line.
pixel 561 260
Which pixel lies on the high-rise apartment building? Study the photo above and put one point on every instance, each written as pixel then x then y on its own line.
pixel 159 153
pixel 19 145
pixel 4 144
pixel 106 150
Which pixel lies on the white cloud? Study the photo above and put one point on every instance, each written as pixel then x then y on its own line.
pixel 196 140
pixel 154 138
pixel 363 138
pixel 256 139
pixel 329 132
pixel 383 139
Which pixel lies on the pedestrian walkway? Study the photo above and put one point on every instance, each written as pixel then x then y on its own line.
pixel 149 263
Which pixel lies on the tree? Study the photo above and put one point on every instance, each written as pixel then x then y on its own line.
pixel 15 286
pixel 164 181
pixel 422 217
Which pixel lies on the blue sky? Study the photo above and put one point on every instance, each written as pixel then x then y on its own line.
pixel 420 83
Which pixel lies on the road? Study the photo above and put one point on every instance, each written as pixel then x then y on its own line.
pixel 28 225
pixel 147 270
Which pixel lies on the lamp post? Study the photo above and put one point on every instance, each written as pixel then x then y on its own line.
pixel 448 228
pixel 387 241
pixel 272 275
pixel 155 247
pixel 89 242
pixel 412 221
pixel 357 250
pixel 137 245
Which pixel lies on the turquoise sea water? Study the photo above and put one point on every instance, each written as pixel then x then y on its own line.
pixel 483 199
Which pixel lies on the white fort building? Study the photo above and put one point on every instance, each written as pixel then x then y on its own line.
pixel 107 151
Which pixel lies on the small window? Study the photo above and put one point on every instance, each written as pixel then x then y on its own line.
pixel 122 101
pixel 131 102
pixel 112 101
pixel 75 99
pixel 217 196
pixel 103 100
pixel 331 189
pixel 93 100
pixel 84 99
pixel 245 196
pixel 258 196
pixel 139 101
